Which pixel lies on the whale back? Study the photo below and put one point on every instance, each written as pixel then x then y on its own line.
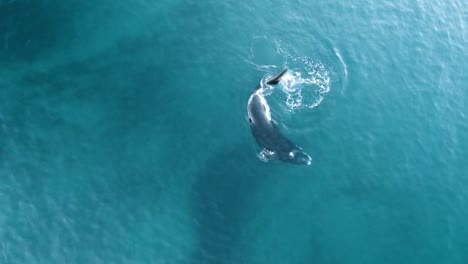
pixel 264 130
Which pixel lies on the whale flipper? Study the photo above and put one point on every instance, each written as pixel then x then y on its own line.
pixel 275 79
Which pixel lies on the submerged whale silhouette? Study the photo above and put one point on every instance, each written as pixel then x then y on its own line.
pixel 267 135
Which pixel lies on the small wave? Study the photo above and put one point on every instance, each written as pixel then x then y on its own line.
pixel 265 54
pixel 345 69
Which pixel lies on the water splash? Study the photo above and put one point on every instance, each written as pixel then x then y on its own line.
pixel 305 84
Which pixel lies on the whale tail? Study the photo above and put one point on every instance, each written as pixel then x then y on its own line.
pixel 275 79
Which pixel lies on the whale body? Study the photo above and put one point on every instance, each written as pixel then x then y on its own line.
pixel 275 145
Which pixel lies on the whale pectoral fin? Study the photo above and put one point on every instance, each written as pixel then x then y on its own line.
pixel 266 155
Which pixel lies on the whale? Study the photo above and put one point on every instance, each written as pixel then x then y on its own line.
pixel 275 146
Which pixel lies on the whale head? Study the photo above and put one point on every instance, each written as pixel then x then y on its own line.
pixel 298 156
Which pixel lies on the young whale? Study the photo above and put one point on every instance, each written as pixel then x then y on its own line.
pixel 267 135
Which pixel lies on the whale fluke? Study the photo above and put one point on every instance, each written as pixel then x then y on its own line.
pixel 275 79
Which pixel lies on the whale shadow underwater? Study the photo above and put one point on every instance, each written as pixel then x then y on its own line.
pixel 275 146
pixel 222 203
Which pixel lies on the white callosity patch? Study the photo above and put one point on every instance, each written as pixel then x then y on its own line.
pixel 266 155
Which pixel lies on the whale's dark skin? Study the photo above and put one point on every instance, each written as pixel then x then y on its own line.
pixel 267 135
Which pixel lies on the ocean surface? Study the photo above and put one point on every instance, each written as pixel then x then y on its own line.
pixel 124 134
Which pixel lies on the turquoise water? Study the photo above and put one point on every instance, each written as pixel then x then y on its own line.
pixel 124 135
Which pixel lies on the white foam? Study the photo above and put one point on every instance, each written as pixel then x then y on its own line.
pixel 306 85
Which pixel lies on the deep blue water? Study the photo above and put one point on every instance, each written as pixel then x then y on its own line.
pixel 124 135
